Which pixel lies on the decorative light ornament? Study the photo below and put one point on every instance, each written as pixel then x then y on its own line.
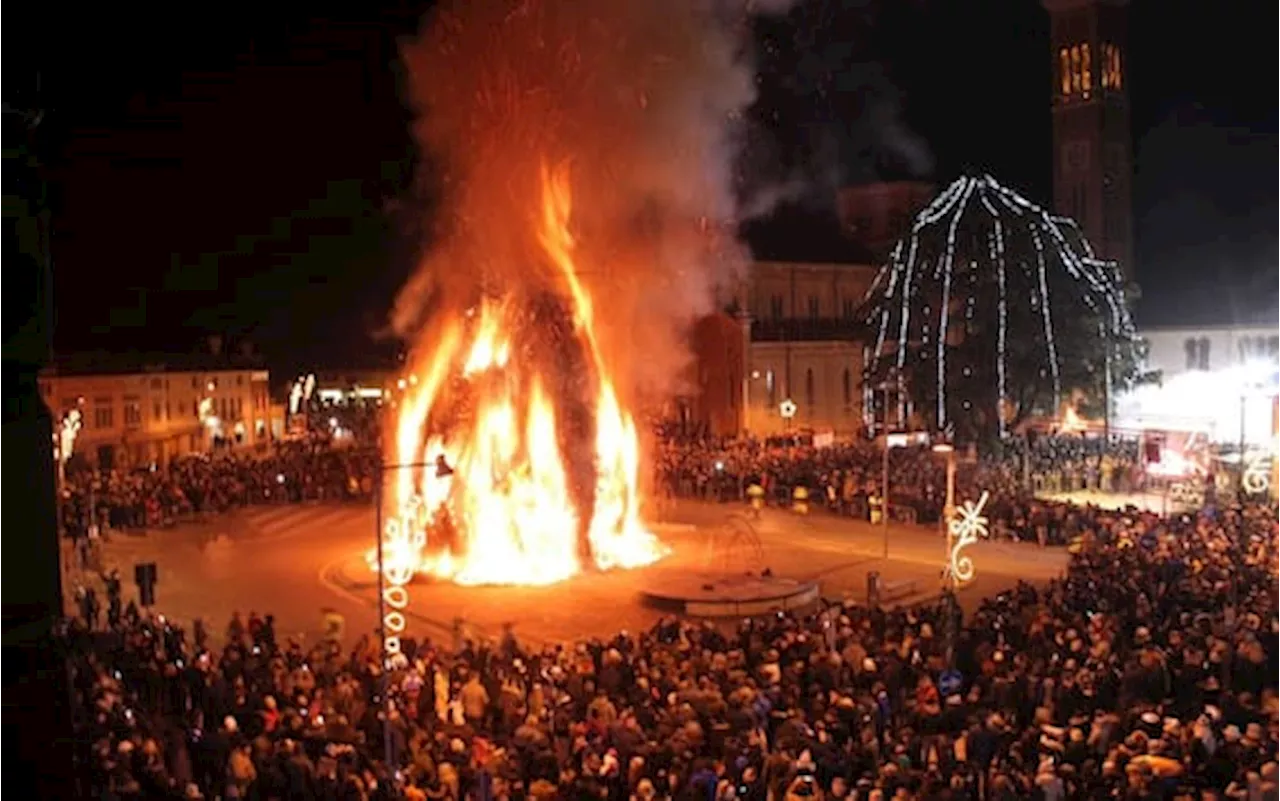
pixel 403 540
pixel 787 409
pixel 1257 474
pixel 966 526
pixel 71 423
pixel 911 300
pixel 295 396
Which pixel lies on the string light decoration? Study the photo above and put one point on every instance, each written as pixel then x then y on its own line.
pixel 966 526
pixel 981 252
pixel 403 541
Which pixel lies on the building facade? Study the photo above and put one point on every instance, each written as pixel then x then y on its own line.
pixel 1092 147
pixel 136 419
pixel 1177 350
pixel 788 356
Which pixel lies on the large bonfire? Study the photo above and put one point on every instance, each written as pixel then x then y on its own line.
pixel 526 462
pixel 582 155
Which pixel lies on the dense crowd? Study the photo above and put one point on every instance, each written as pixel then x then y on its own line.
pixel 1148 672
pixel 312 468
pixel 846 477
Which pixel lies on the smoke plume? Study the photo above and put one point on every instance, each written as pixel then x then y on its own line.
pixel 642 101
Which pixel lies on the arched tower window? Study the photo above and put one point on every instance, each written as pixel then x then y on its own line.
pixel 809 395
pixel 1064 70
pixel 1086 71
pixel 848 387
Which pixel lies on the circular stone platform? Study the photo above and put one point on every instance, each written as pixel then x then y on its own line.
pixel 702 595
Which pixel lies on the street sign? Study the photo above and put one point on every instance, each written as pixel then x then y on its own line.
pixel 950 682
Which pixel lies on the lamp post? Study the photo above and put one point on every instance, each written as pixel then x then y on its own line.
pixel 884 387
pixel 949 506
pixel 1240 488
pixel 384 633
pixel 884 494
pixel 382 619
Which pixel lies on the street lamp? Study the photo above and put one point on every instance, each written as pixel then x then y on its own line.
pixel 949 506
pixel 393 598
pixel 898 440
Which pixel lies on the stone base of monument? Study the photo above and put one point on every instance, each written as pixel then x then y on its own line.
pixel 703 595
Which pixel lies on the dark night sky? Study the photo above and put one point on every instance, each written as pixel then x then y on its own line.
pixel 231 170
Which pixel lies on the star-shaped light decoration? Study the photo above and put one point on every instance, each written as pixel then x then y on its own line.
pixel 967 526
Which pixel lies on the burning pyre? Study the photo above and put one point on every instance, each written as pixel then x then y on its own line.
pixel 582 157
pixel 527 461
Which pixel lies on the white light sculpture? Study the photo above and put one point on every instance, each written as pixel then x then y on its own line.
pixel 787 408
pixel 71 423
pixel 403 539
pixel 966 526
pixel 980 252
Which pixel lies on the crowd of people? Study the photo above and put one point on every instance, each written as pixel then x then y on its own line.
pixel 846 477
pixel 153 496
pixel 1148 672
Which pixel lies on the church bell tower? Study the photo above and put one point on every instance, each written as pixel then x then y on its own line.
pixel 1092 146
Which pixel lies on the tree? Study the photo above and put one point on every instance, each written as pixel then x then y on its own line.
pixel 992 310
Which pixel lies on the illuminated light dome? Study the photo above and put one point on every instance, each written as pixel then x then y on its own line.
pixel 983 265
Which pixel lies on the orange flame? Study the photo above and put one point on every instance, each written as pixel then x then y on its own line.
pixel 505 513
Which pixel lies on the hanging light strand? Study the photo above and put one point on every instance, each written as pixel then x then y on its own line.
pixel 908 284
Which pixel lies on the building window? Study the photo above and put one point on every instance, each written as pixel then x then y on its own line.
pixel 1064 70
pixel 157 409
pixel 1086 71
pixel 1112 77
pixel 156 383
pixel 195 382
pixel 771 389
pixel 775 306
pixel 132 412
pixel 809 395
pixel 239 381
pixel 1075 70
pixel 848 386
pixel 103 413
pixel 1197 351
pixel 813 307
pixel 166 410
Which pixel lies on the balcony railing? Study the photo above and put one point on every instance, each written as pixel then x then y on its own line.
pixel 806 330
